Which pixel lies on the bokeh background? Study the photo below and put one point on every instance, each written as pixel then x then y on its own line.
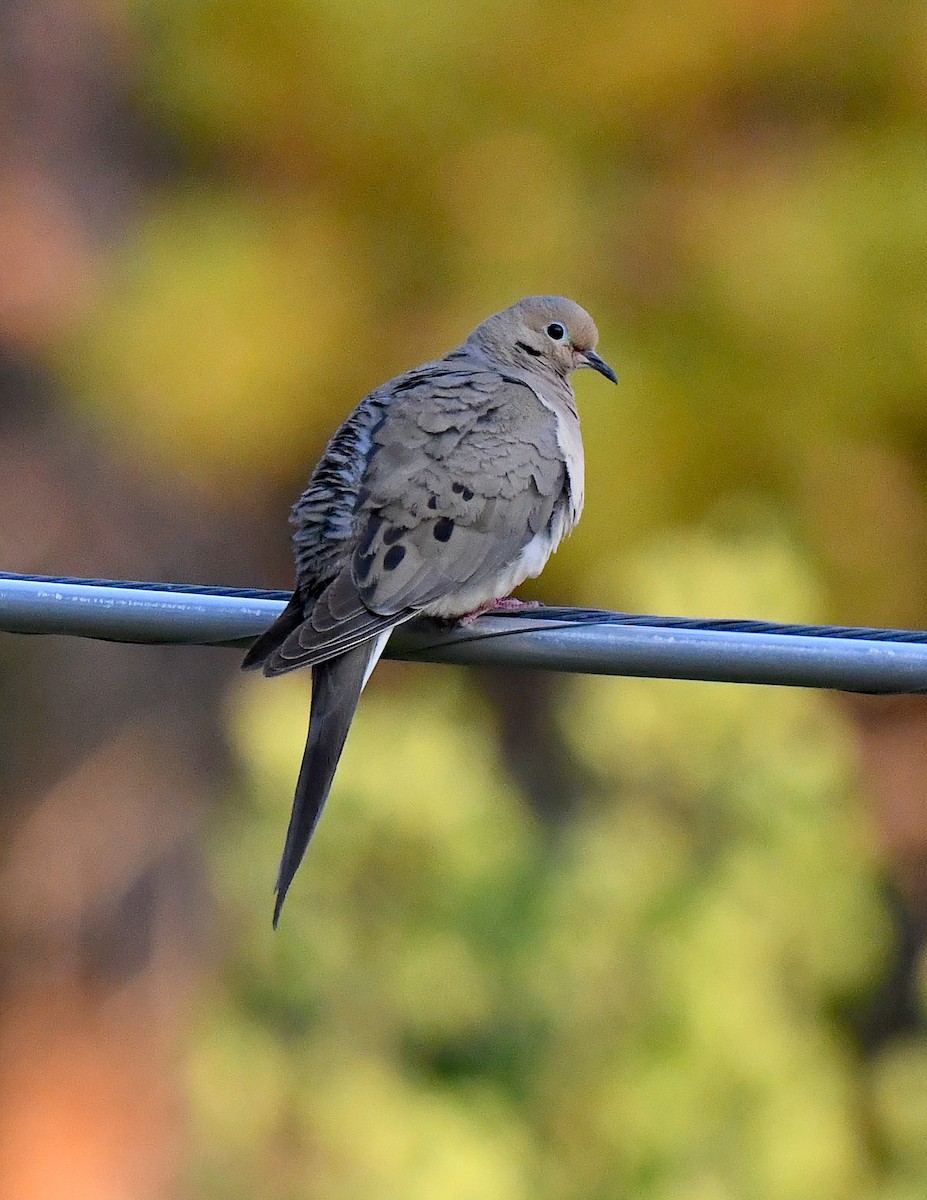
pixel 556 939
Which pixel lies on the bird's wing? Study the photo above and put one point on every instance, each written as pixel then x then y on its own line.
pixel 461 473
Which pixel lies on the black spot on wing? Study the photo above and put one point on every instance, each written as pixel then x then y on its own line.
pixel 393 557
pixel 370 533
pixel 443 529
pixel 433 502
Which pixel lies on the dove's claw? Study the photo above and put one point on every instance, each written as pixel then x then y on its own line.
pixel 506 604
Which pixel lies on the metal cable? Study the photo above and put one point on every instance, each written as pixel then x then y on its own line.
pixel 565 639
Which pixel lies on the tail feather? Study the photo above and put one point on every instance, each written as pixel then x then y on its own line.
pixel 336 688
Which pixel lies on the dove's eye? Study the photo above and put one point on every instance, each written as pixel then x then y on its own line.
pixel 556 332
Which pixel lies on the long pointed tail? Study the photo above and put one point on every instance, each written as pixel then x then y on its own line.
pixel 336 689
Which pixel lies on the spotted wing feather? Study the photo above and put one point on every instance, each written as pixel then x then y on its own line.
pixel 456 495
pixel 458 471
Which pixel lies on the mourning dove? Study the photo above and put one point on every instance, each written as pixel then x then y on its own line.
pixel 443 490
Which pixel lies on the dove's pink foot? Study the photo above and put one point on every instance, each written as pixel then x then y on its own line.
pixel 506 604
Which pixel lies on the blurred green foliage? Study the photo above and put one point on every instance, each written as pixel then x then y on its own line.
pixel 453 1005
pixel 648 1006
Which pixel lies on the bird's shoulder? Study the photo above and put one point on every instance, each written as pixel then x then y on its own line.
pixel 455 412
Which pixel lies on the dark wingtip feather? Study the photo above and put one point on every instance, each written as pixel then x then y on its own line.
pixel 277 633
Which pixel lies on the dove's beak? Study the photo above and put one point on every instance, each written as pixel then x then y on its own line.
pixel 591 359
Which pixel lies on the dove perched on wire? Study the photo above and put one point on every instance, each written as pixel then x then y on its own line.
pixel 443 490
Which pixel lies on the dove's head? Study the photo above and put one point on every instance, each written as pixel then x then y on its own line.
pixel 544 332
